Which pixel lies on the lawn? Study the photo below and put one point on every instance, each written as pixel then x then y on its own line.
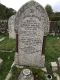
pixel 7 62
pixel 8 57
pixel 7 44
pixel 52 52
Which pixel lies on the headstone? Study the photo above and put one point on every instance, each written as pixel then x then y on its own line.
pixel 59 61
pixel 11 27
pixel 26 74
pixel 31 25
pixel 54 66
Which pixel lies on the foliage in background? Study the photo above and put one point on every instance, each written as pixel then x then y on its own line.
pixel 5 12
pixel 49 10
pixel 53 16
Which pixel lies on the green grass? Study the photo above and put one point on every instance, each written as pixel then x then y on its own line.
pixel 52 50
pixel 1 36
pixel 38 73
pixel 6 64
pixel 7 44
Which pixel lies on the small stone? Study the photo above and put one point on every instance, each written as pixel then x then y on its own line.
pixel 57 37
pixel 44 69
pixel 54 66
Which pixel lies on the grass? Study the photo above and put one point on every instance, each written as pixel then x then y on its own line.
pixel 1 36
pixel 38 73
pixel 52 52
pixel 6 64
pixel 7 44
pixel 8 57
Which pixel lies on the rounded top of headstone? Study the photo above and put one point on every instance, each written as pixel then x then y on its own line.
pixel 32 9
pixel 11 19
pixel 26 72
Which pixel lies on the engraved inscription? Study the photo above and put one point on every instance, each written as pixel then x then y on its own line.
pixel 30 35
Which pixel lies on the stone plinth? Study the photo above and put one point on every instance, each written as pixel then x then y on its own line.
pixel 26 74
pixel 54 66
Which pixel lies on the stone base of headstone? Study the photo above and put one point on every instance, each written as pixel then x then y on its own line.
pixel 16 58
pixel 13 64
pixel 18 66
pixel 59 61
pixel 12 36
pixel 26 74
pixel 54 66
pixel 53 34
pixel 42 61
pixel 1 62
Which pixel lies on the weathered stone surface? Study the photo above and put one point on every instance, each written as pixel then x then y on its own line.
pixel 31 25
pixel 54 66
pixel 11 27
pixel 59 61
pixel 26 74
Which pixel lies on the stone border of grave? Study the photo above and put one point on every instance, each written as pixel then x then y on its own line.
pixel 1 39
pixel 9 75
pixel 54 66
pixel 57 76
pixel 6 51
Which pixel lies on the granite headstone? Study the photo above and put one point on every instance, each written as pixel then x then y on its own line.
pixel 31 25
pixel 11 30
